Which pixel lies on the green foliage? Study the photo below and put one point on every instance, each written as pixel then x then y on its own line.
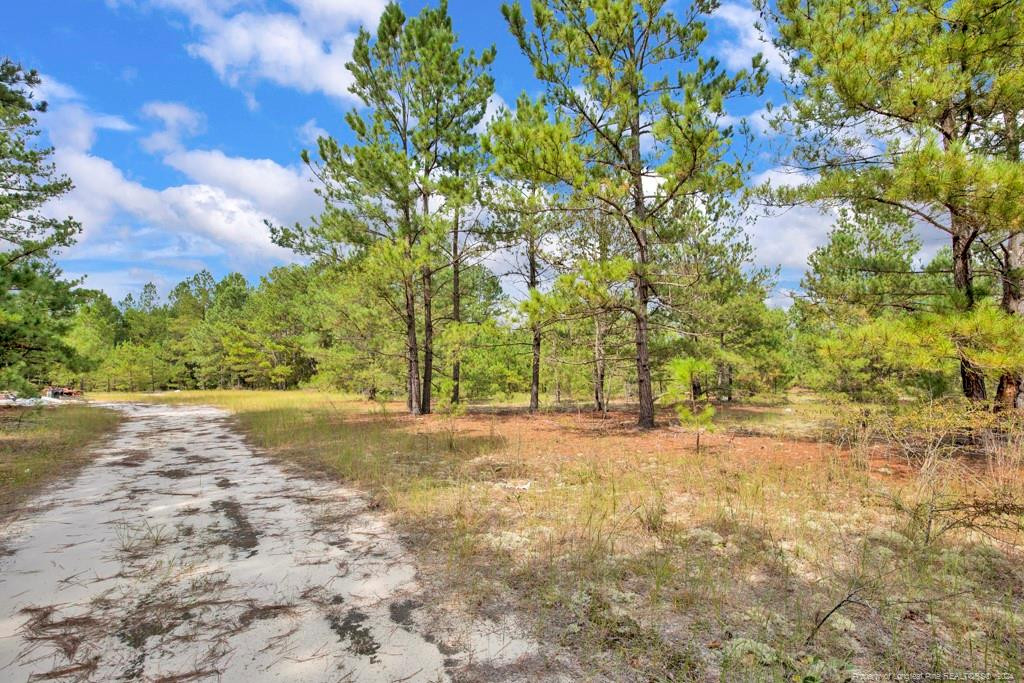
pixel 912 106
pixel 494 358
pixel 867 267
pixel 35 303
pixel 684 376
pixel 614 204
pixel 390 197
pixel 632 125
pixel 29 177
pixel 899 356
pixel 903 104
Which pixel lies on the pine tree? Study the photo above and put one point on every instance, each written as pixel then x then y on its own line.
pixel 638 126
pixel 385 196
pixel 36 305
pixel 904 104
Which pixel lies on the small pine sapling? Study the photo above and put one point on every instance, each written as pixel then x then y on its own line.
pixel 681 393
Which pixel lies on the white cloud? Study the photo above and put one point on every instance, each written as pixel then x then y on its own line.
pixel 747 39
pixel 276 48
pixel 759 121
pixel 74 126
pixel 103 197
pixel 337 15
pixel 219 213
pixel 310 132
pixel 305 48
pixel 178 120
pixel 285 193
pixel 786 237
pixel 120 282
pixel 227 220
pixel 102 193
pixel 781 298
pixel 52 90
pixel 781 176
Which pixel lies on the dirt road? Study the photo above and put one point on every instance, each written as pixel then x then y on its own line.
pixel 179 554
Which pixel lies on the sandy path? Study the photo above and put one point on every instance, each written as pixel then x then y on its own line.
pixel 180 555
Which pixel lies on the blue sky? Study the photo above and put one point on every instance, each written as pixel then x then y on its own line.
pixel 181 122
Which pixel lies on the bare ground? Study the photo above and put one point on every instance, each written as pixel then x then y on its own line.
pixel 180 555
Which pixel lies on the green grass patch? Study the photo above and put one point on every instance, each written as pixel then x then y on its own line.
pixel 40 444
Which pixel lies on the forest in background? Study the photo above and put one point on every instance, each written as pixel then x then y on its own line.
pixel 616 201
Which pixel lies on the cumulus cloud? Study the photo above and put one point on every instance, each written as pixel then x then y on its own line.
pixel 747 39
pixel 309 132
pixel 102 193
pixel 74 126
pixel 51 90
pixel 178 121
pixel 227 220
pixel 219 214
pixel 69 123
pixel 103 197
pixel 305 48
pixel 339 15
pixel 285 193
pixel 786 237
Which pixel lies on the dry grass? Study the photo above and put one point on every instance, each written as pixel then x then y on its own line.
pixel 38 445
pixel 759 558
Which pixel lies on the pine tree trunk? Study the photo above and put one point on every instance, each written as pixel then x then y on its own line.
pixel 428 322
pixel 642 287
pixel 642 290
pixel 535 372
pixel 412 351
pixel 534 278
pixel 558 373
pixel 456 305
pixel 1010 392
pixel 599 365
pixel 971 377
pixel 428 342
pixel 645 392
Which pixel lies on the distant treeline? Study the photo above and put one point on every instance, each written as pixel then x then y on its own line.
pixel 306 326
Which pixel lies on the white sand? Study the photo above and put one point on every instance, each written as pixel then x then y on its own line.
pixel 179 551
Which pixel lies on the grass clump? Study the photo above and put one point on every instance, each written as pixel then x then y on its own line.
pixel 39 444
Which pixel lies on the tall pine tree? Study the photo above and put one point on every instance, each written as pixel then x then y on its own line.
pixel 639 127
pixel 386 196
pixel 905 104
pixel 36 305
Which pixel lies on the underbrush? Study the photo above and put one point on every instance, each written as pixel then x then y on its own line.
pixel 893 553
pixel 39 444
